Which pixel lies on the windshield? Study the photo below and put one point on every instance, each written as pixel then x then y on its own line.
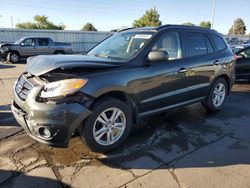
pixel 18 41
pixel 121 45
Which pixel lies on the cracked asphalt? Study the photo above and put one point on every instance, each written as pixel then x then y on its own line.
pixel 188 147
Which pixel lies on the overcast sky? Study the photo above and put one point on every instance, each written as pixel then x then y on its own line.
pixel 111 14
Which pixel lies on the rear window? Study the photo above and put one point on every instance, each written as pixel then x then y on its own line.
pixel 196 44
pixel 218 42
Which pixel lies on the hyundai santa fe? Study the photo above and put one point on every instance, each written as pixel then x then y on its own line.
pixel 133 74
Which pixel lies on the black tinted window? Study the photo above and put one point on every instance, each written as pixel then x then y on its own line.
pixel 210 48
pixel 219 42
pixel 196 44
pixel 43 42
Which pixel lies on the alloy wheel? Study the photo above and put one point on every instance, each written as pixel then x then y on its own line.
pixel 14 58
pixel 219 94
pixel 109 126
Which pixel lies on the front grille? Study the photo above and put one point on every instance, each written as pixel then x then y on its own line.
pixel 23 88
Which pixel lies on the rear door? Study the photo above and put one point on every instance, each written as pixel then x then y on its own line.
pixel 243 64
pixel 200 65
pixel 43 46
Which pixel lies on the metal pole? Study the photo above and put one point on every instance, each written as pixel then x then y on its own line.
pixel 1 20
pixel 212 17
pixel 11 22
pixel 234 28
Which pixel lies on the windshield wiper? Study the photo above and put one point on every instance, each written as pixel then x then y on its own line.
pixel 107 56
pixel 102 55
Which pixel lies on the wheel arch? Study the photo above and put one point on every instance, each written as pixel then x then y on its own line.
pixel 123 96
pixel 59 51
pixel 225 77
pixel 16 51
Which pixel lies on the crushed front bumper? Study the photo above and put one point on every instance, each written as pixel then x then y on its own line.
pixel 3 53
pixel 60 119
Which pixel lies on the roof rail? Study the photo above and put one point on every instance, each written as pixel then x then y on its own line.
pixel 184 26
pixel 125 29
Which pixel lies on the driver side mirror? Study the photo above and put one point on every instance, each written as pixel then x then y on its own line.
pixel 158 55
pixel 22 44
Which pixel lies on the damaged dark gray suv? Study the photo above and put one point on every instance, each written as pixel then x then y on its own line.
pixel 133 74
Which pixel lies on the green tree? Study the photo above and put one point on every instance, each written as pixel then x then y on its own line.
pixel 89 27
pixel 205 24
pixel 238 28
pixel 150 18
pixel 40 22
pixel 188 24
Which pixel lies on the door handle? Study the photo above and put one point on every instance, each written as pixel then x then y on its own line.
pixel 217 62
pixel 182 70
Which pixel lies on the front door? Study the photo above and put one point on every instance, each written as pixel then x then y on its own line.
pixel 163 82
pixel 28 47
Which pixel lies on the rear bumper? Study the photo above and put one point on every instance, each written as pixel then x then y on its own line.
pixel 60 119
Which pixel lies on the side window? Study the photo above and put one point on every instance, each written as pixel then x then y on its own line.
pixel 210 48
pixel 28 42
pixel 170 43
pixel 219 42
pixel 246 53
pixel 43 42
pixel 196 44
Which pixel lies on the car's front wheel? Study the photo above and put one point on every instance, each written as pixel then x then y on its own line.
pixel 217 95
pixel 108 126
pixel 13 57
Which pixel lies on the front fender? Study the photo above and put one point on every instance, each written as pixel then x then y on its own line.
pixel 126 81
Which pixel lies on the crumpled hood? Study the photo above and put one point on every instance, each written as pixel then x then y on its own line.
pixel 42 64
pixel 6 44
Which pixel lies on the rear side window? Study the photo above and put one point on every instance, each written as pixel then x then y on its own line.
pixel 196 44
pixel 218 42
pixel 43 42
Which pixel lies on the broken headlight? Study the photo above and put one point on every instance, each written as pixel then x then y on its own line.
pixel 62 87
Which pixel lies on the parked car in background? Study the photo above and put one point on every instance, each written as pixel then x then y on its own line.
pixel 242 67
pixel 133 74
pixel 233 41
pixel 236 48
pixel 31 46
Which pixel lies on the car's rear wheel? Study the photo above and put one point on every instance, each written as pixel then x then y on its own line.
pixel 217 95
pixel 13 57
pixel 108 126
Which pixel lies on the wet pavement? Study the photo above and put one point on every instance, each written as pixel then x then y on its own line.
pixel 188 147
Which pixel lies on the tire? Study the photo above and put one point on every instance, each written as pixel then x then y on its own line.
pixel 212 103
pixel 95 123
pixel 13 57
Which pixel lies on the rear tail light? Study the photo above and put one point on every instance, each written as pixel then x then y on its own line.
pixel 236 57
